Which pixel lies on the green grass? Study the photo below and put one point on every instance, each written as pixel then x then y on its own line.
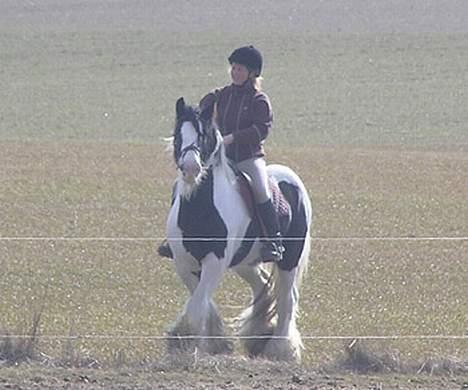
pixel 388 89
pixel 111 288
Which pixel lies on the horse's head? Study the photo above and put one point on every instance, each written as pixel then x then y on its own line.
pixel 196 140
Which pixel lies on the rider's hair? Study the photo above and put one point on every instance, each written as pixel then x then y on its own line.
pixel 257 83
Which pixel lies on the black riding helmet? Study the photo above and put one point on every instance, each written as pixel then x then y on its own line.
pixel 248 56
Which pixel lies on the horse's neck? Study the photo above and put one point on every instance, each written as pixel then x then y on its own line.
pixel 225 168
pixel 219 183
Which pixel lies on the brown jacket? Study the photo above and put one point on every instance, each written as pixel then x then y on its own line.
pixel 246 114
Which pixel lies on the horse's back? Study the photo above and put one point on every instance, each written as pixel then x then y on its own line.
pixel 296 238
pixel 283 174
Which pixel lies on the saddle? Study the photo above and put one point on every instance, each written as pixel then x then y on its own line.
pixel 282 206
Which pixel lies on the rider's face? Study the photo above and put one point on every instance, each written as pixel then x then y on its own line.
pixel 239 73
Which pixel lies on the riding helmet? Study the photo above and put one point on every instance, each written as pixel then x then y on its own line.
pixel 248 56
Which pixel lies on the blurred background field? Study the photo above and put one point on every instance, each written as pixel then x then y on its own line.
pixel 337 73
pixel 370 109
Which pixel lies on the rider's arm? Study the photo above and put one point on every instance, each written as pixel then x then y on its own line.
pixel 262 118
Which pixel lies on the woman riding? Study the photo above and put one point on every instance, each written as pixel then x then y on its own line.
pixel 244 117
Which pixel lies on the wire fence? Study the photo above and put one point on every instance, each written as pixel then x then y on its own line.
pixel 234 337
pixel 211 239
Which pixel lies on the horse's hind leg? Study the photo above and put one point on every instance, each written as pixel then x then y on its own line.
pixel 258 318
pixel 286 343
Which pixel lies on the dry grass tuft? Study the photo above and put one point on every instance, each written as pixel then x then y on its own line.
pixel 359 358
pixel 444 365
pixel 74 357
pixel 22 347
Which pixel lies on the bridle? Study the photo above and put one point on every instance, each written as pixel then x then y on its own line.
pixel 193 147
pixel 201 146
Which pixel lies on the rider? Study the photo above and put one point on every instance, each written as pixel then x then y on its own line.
pixel 244 117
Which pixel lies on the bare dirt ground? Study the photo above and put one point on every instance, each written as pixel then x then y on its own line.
pixel 216 373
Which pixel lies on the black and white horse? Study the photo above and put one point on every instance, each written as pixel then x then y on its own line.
pixel 210 230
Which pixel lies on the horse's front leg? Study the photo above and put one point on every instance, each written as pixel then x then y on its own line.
pixel 200 311
pixel 188 270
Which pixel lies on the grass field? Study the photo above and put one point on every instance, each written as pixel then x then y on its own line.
pixel 374 122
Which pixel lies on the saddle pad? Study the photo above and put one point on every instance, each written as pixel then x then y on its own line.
pixel 282 207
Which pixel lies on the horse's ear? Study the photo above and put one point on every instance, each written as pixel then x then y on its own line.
pixel 207 112
pixel 180 107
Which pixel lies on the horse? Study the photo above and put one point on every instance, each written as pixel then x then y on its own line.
pixel 210 230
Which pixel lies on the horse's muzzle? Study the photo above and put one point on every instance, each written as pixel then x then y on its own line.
pixel 190 171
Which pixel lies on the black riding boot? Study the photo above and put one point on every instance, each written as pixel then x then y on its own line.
pixel 273 248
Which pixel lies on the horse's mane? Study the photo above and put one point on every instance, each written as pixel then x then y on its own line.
pixel 191 114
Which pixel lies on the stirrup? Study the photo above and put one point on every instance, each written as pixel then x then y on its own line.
pixel 164 250
pixel 272 251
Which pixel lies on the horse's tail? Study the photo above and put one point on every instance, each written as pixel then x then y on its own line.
pixel 287 344
pixel 304 259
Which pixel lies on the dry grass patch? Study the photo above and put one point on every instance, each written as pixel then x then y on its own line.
pixel 359 357
pixel 22 346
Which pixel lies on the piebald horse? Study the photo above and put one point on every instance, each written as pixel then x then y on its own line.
pixel 210 230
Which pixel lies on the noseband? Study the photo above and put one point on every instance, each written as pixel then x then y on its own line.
pixel 193 147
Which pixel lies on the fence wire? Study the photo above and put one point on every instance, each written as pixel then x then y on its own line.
pixel 234 337
pixel 211 239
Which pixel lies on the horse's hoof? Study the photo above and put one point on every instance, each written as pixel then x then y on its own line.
pixel 282 350
pixel 256 346
pixel 177 344
pixel 217 346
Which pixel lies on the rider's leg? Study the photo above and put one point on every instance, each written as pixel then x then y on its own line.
pixel 256 169
pixel 269 218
